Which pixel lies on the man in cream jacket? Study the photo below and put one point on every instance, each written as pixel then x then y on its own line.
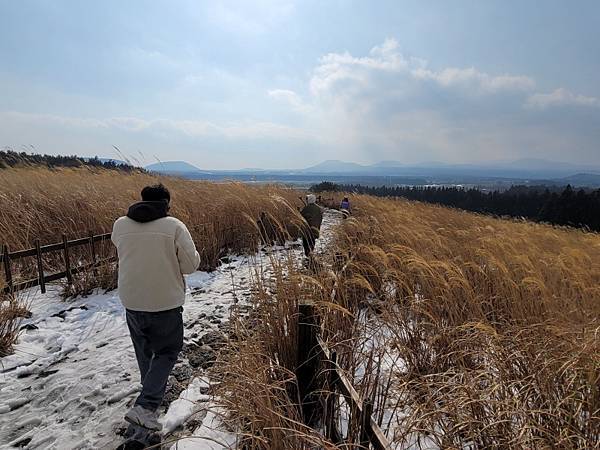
pixel 155 251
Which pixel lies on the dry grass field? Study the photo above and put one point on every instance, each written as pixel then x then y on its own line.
pixel 493 326
pixel 465 330
pixel 41 203
pixel 44 203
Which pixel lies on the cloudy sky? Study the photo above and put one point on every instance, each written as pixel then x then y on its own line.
pixel 285 84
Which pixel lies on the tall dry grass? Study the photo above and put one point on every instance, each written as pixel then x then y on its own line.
pixel 486 330
pixel 12 310
pixel 40 203
pixel 499 271
pixel 256 377
pixel 467 332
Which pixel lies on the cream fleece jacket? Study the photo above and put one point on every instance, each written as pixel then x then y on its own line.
pixel 153 257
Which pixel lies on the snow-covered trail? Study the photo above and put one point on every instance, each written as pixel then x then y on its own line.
pixel 74 373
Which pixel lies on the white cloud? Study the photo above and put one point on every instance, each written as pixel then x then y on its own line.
pixel 339 67
pixel 243 130
pixel 396 107
pixel 560 97
pixel 343 67
pixel 289 97
pixel 381 105
pixel 471 78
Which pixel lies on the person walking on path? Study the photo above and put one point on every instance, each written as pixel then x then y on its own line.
pixel 155 251
pixel 345 206
pixel 314 217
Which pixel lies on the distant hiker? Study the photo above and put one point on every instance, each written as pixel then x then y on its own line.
pixel 345 207
pixel 155 251
pixel 314 217
pixel 345 204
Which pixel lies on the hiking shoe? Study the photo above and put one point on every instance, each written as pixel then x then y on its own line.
pixel 144 418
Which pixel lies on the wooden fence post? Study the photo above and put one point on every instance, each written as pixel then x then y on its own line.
pixel 93 252
pixel 7 269
pixel 331 431
pixel 67 259
pixel 40 266
pixel 365 424
pixel 308 363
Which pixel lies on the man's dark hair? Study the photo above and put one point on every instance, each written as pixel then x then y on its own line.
pixel 155 193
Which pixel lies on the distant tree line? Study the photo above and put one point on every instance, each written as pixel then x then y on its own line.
pixel 555 205
pixel 325 186
pixel 10 158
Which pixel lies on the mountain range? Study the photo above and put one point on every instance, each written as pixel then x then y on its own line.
pixel 529 168
pixel 519 170
pixel 173 167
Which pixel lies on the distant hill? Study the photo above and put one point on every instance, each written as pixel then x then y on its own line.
pixel 522 169
pixel 537 164
pixel 335 166
pixel 173 167
pixel 581 179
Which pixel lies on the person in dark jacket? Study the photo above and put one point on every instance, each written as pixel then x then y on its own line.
pixel 314 217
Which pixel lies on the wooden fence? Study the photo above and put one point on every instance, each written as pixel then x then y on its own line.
pixel 7 257
pixel 313 356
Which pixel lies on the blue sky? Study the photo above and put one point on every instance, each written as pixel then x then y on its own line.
pixel 286 84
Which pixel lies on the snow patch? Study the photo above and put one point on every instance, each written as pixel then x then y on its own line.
pixel 190 402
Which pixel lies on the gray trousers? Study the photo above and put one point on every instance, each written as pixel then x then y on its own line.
pixel 157 339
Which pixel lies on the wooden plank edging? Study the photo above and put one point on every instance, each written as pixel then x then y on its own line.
pixel 376 436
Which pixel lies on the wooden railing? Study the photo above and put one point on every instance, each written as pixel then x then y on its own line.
pixel 7 257
pixel 370 433
pixel 313 356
